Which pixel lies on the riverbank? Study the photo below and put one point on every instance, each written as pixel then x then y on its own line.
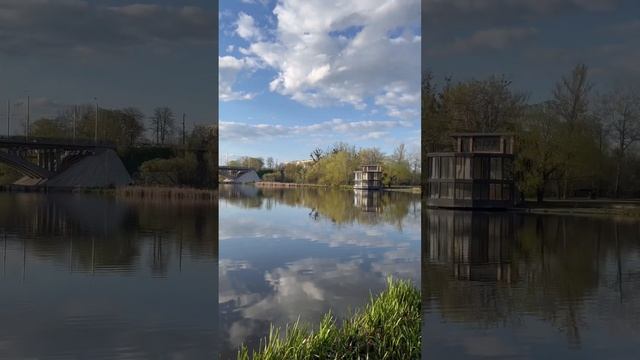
pixel 273 184
pixel 387 328
pixel 630 207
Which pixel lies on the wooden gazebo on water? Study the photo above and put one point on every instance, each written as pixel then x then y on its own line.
pixel 477 174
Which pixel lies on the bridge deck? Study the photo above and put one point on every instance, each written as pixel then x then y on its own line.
pixel 46 143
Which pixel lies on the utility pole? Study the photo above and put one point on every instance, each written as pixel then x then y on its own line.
pixel 95 130
pixel 28 116
pixel 183 131
pixel 8 117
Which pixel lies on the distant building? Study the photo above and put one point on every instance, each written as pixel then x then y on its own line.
pixel 478 174
pixel 300 162
pixel 233 175
pixel 369 177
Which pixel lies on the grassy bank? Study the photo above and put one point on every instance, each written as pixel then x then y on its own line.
pixel 165 193
pixel 274 184
pixel 388 327
pixel 629 207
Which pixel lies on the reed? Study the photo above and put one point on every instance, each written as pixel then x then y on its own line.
pixel 387 328
pixel 166 193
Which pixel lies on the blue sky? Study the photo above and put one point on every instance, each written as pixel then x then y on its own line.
pixel 142 53
pixel 296 75
pixel 533 42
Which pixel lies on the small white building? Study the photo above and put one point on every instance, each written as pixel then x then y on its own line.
pixel 369 177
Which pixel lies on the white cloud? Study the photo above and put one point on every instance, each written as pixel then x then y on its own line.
pixel 366 129
pixel 496 38
pixel 246 27
pixel 343 54
pixel 228 69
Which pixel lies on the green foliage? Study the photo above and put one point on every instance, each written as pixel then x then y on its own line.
pixel 387 328
pixel 8 175
pixel 248 162
pixel 563 145
pixel 49 128
pixel 271 177
pixel 336 166
pixel 174 171
pixel 136 156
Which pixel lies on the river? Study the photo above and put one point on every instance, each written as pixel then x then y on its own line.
pixel 504 285
pixel 289 254
pixel 91 277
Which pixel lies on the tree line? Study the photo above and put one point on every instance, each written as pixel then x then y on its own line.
pixel 123 127
pixel 335 165
pixel 160 163
pixel 580 141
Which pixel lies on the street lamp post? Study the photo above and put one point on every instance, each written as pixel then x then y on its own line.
pixel 95 133
pixel 8 117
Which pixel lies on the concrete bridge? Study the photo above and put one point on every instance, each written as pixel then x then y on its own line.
pixel 238 175
pixel 63 163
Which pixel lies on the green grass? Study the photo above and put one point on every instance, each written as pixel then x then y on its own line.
pixel 387 328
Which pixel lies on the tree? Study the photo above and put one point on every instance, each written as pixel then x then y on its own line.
pixel 537 156
pixel 482 105
pixel 316 155
pixel 371 156
pixel 163 121
pixel 571 104
pixel 620 110
pixel 49 128
pixel 270 163
pixel 571 95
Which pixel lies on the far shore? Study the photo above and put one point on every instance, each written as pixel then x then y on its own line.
pixel 275 184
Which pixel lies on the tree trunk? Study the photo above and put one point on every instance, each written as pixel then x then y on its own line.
pixel 540 194
pixel 616 188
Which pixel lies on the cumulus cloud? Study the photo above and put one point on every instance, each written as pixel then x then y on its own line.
pixel 342 54
pixel 246 27
pixel 444 11
pixel 496 39
pixel 68 26
pixel 238 131
pixel 228 69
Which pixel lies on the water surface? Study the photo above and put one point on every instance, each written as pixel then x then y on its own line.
pixel 523 286
pixel 288 254
pixel 87 277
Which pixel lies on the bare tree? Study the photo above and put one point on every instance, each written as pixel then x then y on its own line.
pixel 620 111
pixel 571 95
pixel 316 155
pixel 163 121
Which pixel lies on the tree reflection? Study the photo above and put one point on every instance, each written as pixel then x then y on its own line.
pixel 336 205
pixel 97 233
pixel 494 269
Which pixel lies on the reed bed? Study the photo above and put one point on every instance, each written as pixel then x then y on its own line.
pixel 388 328
pixel 274 184
pixel 166 193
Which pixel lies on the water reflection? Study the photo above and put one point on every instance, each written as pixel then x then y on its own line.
pixel 296 253
pixel 92 277
pixel 527 286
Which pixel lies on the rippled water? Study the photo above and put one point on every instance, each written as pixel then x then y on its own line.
pixel 297 253
pixel 523 286
pixel 86 277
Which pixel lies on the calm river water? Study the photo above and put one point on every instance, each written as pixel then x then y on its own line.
pixel 523 286
pixel 298 253
pixel 85 277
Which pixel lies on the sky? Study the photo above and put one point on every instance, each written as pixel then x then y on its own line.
pixel 532 42
pixel 298 75
pixel 124 53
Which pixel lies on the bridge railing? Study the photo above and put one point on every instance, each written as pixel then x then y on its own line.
pixel 34 141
